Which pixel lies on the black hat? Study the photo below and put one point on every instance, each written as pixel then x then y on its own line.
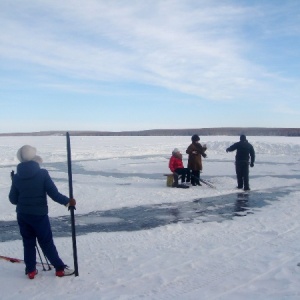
pixel 195 138
pixel 242 138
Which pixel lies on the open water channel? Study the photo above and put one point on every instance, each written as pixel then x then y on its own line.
pixel 212 209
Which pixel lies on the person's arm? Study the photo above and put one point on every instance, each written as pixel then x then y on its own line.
pixel 201 150
pixel 188 150
pixel 53 192
pixel 232 148
pixel 252 156
pixel 171 164
pixel 13 194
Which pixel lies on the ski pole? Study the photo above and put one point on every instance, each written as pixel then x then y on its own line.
pixel 72 208
pixel 46 259
pixel 37 248
pixel 204 181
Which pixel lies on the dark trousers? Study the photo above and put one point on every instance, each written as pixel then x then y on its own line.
pixel 195 177
pixel 184 173
pixel 34 227
pixel 242 174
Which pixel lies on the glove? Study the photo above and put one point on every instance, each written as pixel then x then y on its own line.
pixel 204 155
pixel 72 202
pixel 227 150
pixel 252 165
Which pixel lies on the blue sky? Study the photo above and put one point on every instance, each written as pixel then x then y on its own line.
pixel 134 65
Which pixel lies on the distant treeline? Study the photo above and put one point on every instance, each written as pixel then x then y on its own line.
pixel 226 131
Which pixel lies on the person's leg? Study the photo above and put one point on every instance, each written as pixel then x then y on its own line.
pixel 29 242
pixel 181 172
pixel 192 178
pixel 45 239
pixel 175 176
pixel 195 177
pixel 188 175
pixel 246 176
pixel 239 175
pixel 183 175
pixel 198 178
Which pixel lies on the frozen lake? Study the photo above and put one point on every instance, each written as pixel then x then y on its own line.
pixel 138 239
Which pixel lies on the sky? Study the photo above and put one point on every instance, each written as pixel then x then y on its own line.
pixel 135 65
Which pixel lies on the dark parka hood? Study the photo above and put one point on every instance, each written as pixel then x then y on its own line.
pixel 28 169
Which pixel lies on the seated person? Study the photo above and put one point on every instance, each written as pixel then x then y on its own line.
pixel 176 166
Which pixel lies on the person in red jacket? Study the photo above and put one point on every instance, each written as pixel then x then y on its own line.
pixel 177 168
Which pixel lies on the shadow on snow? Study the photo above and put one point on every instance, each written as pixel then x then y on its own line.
pixel 213 209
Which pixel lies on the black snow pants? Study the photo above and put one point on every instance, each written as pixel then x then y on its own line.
pixel 242 174
pixel 185 175
pixel 195 180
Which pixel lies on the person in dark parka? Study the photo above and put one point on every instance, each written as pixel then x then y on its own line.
pixel 29 190
pixel 195 152
pixel 244 152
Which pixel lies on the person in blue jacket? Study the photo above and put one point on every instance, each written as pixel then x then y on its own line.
pixel 244 152
pixel 30 187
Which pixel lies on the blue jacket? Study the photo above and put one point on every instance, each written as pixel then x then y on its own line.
pixel 30 187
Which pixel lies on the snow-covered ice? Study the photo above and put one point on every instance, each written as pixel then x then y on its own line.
pixel 250 257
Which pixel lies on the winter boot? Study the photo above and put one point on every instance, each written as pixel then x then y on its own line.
pixel 65 272
pixel 197 180
pixel 32 274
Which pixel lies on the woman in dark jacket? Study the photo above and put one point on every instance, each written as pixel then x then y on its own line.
pixel 29 190
pixel 195 152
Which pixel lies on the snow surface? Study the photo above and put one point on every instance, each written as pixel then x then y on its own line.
pixel 249 257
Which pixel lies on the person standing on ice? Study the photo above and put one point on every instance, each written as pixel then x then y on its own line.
pixel 244 152
pixel 195 152
pixel 177 168
pixel 29 190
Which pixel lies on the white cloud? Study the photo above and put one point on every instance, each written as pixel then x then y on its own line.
pixel 194 47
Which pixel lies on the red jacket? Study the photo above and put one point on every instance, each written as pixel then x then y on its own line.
pixel 175 163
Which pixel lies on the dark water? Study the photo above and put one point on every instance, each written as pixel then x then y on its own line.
pixel 213 209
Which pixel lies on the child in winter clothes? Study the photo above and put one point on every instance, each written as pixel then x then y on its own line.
pixel 29 190
pixel 176 166
pixel 195 152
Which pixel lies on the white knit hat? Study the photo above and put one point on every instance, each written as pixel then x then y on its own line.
pixel 176 150
pixel 28 153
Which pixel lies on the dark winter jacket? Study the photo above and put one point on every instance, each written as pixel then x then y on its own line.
pixel 30 187
pixel 244 151
pixel 195 152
